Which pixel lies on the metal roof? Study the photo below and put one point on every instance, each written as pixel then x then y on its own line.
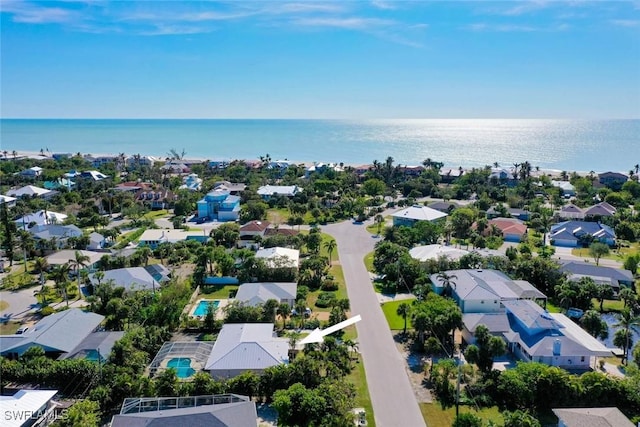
pixel 131 278
pixel 419 213
pixel 258 293
pixel 592 417
pixel 21 403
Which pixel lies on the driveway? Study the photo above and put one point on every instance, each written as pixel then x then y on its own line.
pixel 21 303
pixel 394 402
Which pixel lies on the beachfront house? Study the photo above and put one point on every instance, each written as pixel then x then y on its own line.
pixel 581 233
pixel 612 180
pixel 155 237
pixel 254 294
pixel 269 191
pixel 415 213
pixel 138 161
pixel 242 347
pixel 32 173
pixel 220 410
pixel 219 205
pixel 56 334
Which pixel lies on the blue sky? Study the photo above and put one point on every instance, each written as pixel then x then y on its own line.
pixel 348 59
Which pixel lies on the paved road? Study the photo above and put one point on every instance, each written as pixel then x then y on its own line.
pixel 394 403
pixel 21 303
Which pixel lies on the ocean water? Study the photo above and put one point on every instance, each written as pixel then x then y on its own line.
pixel 572 145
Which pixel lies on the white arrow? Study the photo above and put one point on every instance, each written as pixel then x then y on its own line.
pixel 318 335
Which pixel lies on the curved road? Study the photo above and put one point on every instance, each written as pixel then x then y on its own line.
pixel 394 402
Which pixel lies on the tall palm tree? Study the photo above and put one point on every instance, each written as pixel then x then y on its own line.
pixel 81 260
pixel 283 310
pixel 447 282
pixel 379 220
pixel 40 265
pixel 627 320
pixel 403 310
pixel 144 253
pixel 330 246
pixel 60 275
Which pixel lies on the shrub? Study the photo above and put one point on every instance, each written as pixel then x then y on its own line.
pixel 329 285
pixel 325 299
pixel 46 311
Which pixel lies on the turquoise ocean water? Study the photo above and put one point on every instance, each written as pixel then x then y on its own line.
pixel 580 145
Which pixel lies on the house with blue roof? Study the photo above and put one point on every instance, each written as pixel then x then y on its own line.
pixel 219 205
pixel 581 233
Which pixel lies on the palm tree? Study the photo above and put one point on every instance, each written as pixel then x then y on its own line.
pixel 330 246
pixel 60 275
pixel 447 283
pixel 420 322
pixel 627 320
pixel 403 310
pixel 40 265
pixel 283 310
pixel 81 260
pixel 144 253
pixel 628 295
pixel 379 220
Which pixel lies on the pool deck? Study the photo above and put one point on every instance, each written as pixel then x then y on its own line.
pixel 219 312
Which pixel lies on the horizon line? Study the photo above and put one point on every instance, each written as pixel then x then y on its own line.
pixel 320 118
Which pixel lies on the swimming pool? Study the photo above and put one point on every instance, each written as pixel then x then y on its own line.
pixel 182 365
pixel 203 306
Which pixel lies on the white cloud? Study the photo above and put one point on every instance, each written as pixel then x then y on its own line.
pixel 30 13
pixel 352 23
pixel 384 5
pixel 515 28
pixel 629 23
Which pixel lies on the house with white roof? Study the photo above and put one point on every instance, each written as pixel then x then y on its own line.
pixel 56 334
pixel 191 182
pixel 568 190
pixel 258 293
pixel 41 218
pixel 96 241
pixel 28 408
pixel 32 172
pixel 244 347
pixel 154 237
pixel 64 256
pixel 427 252
pixel 10 201
pixel 93 175
pixel 415 213
pixel 268 191
pixel 31 191
pixel 279 257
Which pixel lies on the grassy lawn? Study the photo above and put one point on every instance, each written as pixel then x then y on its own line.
pixel 125 239
pixel 368 262
pixel 156 214
pixel 278 216
pixel 553 308
pixel 359 379
pixel 218 292
pixel 609 305
pixel 9 328
pixel 614 255
pixel 395 322
pixel 435 416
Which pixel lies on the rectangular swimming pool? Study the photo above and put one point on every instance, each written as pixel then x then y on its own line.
pixel 203 306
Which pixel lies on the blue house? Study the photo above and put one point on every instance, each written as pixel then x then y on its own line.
pixel 219 205
pixel 576 233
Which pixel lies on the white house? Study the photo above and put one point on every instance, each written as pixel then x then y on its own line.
pixel 154 237
pixel 268 191
pixel 10 201
pixel 28 408
pixel 96 241
pixel 31 191
pixel 32 172
pixel 415 213
pixel 279 257
pixel 41 218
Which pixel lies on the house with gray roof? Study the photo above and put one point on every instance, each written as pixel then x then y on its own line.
pixel 571 211
pixel 28 408
pixel 269 191
pixel 65 255
pixel 550 338
pixel 599 210
pixel 96 346
pixel 592 417
pixel 56 334
pixel 41 217
pixel 614 277
pixel 59 233
pixel 131 279
pixel 258 293
pixel 96 241
pixel 568 190
pixel 226 410
pixel 244 347
pixel 577 233
pixel 496 323
pixel 483 291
